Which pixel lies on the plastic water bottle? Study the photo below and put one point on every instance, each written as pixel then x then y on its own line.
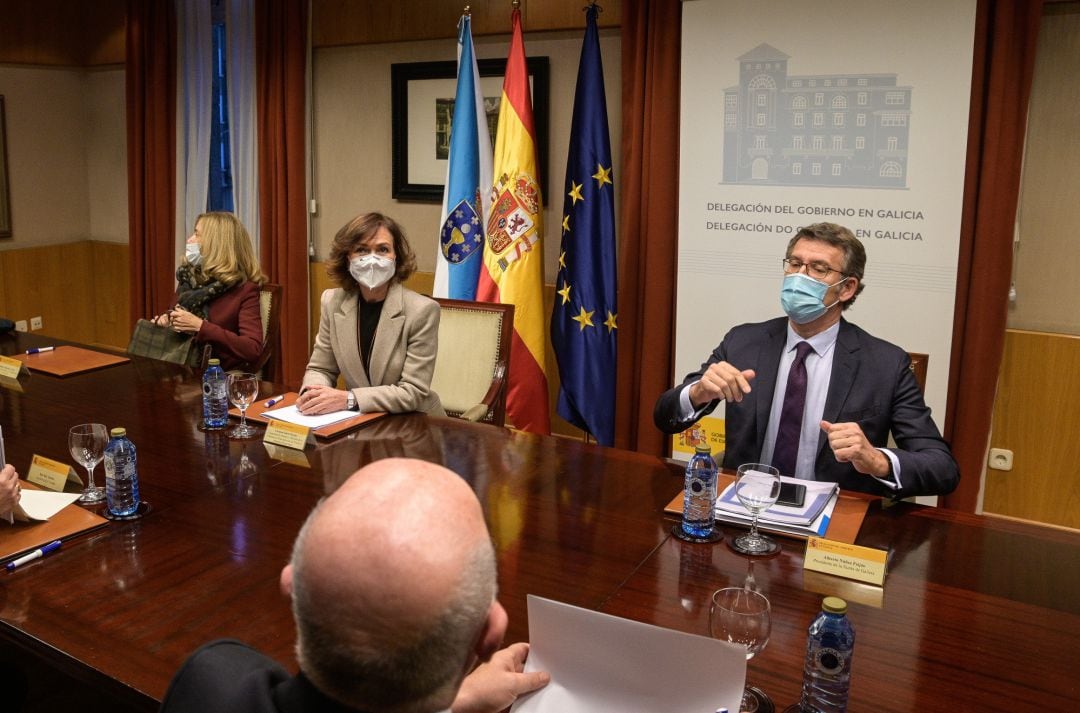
pixel 121 474
pixel 827 671
pixel 215 396
pixel 699 499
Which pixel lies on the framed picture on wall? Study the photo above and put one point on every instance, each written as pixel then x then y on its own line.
pixel 422 106
pixel 5 199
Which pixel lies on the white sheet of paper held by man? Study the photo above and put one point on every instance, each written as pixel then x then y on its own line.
pixel 600 662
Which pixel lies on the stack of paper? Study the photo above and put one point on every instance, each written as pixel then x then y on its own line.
pixel 810 519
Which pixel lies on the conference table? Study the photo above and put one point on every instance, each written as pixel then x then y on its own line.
pixel 976 613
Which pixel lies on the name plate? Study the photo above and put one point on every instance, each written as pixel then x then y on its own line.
pixel 51 474
pixel 11 368
pixel 864 564
pixel 287 434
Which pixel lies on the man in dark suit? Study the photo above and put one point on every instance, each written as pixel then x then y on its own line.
pixel 390 613
pixel 848 389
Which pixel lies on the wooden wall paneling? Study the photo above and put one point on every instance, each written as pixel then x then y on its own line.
pixel 53 282
pixel 62 33
pixel 112 294
pixel 1037 417
pixel 105 28
pixel 350 22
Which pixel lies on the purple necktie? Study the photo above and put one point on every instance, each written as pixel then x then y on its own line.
pixel 786 451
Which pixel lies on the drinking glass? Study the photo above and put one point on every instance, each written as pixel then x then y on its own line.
pixel 87 443
pixel 742 616
pixel 242 391
pixel 756 486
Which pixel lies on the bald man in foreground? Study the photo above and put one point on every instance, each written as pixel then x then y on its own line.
pixel 390 616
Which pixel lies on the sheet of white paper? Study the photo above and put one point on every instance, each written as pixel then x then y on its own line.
pixel 600 662
pixel 290 414
pixel 42 504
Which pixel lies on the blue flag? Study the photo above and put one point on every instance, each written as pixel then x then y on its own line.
pixel 583 320
pixel 466 198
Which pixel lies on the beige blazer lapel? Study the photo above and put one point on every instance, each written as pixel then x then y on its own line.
pixel 347 348
pixel 388 334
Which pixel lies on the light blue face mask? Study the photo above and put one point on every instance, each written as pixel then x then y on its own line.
pixel 803 297
pixel 192 253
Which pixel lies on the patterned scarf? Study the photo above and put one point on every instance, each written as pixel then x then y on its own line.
pixel 194 295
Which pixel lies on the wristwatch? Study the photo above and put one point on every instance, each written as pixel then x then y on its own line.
pixel 350 401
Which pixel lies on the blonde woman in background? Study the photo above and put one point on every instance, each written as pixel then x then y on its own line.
pixel 217 291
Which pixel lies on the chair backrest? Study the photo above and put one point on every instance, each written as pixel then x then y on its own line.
pixel 918 368
pixel 474 357
pixel 270 311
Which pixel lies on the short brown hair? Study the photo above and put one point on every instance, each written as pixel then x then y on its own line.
pixel 357 231
pixel 840 237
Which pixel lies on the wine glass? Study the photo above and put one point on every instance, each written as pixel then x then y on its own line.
pixel 243 388
pixel 757 486
pixel 742 616
pixel 87 443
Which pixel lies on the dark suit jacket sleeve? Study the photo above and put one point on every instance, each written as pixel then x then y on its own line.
pixel 224 676
pixel 927 466
pixel 667 414
pixel 234 327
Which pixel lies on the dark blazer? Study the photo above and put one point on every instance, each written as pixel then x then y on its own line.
pixel 233 327
pixel 230 677
pixel 871 384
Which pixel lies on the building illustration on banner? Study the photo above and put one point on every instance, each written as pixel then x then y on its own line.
pixel 847 130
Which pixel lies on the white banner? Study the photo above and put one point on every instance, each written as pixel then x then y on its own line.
pixel 848 111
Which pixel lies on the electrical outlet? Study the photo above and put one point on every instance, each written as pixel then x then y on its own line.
pixel 1001 459
pixel 20 326
pixel 35 323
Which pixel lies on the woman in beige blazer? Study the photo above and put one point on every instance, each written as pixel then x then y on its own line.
pixel 379 335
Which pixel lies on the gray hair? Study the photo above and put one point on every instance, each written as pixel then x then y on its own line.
pixel 338 651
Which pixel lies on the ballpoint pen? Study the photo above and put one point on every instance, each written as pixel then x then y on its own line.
pixel 271 402
pixel 39 350
pixel 36 554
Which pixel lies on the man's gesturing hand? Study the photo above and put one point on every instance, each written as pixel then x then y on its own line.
pixel 721 381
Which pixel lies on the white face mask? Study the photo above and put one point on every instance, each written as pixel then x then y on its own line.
pixel 371 271
pixel 192 253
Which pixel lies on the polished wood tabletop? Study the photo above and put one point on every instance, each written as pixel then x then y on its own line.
pixel 976 613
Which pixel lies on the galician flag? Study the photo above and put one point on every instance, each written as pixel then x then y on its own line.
pixel 514 257
pixel 467 198
pixel 583 319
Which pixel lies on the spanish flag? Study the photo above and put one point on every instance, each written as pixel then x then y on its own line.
pixel 513 269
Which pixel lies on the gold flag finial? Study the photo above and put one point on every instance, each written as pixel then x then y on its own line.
pixel 516 4
pixel 467 11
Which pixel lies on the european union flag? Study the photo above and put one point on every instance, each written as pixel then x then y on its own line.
pixel 583 321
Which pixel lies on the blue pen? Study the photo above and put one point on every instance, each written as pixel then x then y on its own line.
pixel 36 554
pixel 275 400
pixel 39 350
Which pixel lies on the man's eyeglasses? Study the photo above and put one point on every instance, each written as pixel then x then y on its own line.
pixel 816 270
